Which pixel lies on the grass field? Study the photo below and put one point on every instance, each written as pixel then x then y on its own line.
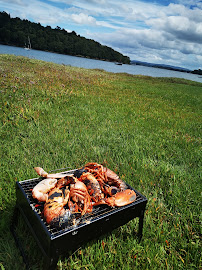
pixel 146 129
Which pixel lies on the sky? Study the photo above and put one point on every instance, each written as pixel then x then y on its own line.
pixel 154 31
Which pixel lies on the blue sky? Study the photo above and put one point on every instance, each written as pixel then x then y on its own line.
pixel 156 31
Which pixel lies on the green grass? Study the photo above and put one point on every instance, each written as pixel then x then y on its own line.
pixel 146 129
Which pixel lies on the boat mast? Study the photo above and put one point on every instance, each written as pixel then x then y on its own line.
pixel 29 43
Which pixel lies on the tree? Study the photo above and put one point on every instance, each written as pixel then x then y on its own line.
pixel 14 31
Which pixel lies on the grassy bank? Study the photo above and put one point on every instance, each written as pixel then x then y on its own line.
pixel 146 129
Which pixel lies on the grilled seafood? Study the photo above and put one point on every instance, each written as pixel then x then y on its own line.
pixel 54 207
pixel 121 198
pixel 93 186
pixel 109 190
pixel 113 179
pixel 69 196
pixel 97 188
pixel 64 203
pixel 107 176
pixel 79 195
pixel 40 191
pixel 116 190
pixel 64 181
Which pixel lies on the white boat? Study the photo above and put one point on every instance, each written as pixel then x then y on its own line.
pixel 28 47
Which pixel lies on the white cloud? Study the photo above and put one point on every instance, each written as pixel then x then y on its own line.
pixel 83 19
pixel 16 2
pixel 179 27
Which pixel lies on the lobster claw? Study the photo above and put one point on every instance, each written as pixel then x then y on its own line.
pixel 121 198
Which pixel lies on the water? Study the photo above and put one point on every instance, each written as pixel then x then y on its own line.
pixel 98 64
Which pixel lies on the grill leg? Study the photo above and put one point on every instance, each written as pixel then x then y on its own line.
pixel 49 263
pixel 141 218
pixel 13 226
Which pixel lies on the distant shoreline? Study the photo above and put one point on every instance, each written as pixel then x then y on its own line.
pixel 134 62
pixel 180 69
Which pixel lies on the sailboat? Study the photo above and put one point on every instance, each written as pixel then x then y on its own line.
pixel 28 47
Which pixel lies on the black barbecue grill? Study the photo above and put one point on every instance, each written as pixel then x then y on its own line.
pixel 55 241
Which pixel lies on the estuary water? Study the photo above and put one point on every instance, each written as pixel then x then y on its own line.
pixel 97 64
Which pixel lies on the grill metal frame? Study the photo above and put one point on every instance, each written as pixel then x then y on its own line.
pixel 54 242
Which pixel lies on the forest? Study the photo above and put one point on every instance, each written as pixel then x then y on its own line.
pixel 17 32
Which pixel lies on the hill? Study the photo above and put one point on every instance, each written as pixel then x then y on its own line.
pixel 15 32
